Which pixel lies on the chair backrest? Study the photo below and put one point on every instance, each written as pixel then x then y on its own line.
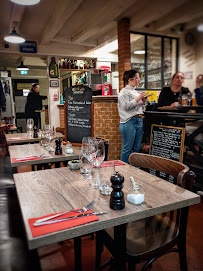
pixel 183 176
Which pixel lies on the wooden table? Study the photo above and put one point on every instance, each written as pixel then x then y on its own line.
pixel 56 190
pixel 19 151
pixel 21 138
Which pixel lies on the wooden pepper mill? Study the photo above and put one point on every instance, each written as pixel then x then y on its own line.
pixel 35 135
pixel 58 150
pixel 117 201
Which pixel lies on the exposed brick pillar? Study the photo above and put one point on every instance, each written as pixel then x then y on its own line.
pixel 123 48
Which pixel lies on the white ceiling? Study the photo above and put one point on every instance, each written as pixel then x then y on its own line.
pixel 76 27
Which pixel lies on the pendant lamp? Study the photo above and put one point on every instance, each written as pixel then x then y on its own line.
pixel 26 2
pixel 22 67
pixel 14 37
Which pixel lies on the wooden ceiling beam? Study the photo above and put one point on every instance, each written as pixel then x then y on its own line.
pixel 63 11
pixel 150 11
pixel 109 12
pixel 194 23
pixel 187 12
pixel 64 39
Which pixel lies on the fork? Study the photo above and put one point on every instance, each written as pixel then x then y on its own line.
pixel 81 210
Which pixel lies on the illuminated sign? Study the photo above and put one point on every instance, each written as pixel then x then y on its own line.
pixel 23 72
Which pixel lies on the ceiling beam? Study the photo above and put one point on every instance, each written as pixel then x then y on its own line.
pixel 189 11
pixel 110 11
pixel 65 39
pixel 17 12
pixel 62 12
pixel 194 23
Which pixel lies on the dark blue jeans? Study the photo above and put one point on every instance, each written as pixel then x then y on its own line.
pixel 131 133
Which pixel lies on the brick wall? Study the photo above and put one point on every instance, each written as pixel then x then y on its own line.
pixel 123 48
pixel 62 117
pixel 106 125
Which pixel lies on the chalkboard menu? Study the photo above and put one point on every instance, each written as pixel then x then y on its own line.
pixel 78 113
pixel 167 142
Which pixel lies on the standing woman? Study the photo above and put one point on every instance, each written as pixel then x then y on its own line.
pixel 130 107
pixel 34 102
pixel 169 95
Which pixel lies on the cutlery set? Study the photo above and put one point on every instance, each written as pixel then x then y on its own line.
pixel 46 220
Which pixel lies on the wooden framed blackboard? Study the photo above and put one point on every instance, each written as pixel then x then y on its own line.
pixel 78 113
pixel 167 142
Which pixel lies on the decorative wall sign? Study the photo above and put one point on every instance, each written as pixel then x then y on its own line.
pixel 54 83
pixel 28 47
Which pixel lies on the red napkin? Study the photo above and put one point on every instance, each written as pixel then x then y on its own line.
pixel 19 138
pixel 109 163
pixel 15 160
pixel 45 229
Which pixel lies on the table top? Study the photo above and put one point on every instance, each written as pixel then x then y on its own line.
pixel 182 108
pixel 180 115
pixel 20 151
pixel 22 138
pixel 55 190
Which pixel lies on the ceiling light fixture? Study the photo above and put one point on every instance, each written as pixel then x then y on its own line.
pixel 22 67
pixel 26 2
pixel 139 52
pixel 200 28
pixel 14 37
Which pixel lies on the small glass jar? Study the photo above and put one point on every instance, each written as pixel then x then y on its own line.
pixel 68 149
pixel 135 193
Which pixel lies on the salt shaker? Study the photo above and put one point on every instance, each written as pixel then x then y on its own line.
pixel 136 193
pixel 69 148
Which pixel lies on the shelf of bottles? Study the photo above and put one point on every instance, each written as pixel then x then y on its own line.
pixel 76 65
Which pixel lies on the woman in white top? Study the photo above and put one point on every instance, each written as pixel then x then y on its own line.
pixel 130 107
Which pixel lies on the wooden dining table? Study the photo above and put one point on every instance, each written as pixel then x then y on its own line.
pixel 21 138
pixel 55 190
pixel 34 150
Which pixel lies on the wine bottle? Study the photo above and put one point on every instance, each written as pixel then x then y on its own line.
pixel 53 69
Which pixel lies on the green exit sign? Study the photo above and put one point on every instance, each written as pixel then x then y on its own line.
pixel 23 72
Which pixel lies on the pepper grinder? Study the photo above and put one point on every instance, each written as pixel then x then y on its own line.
pixel 58 150
pixel 117 201
pixel 35 135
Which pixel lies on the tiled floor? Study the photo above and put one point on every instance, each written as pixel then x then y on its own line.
pixel 60 257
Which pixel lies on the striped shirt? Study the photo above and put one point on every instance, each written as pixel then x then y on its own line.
pixel 127 105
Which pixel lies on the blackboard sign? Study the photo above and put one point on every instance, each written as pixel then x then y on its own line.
pixel 167 142
pixel 78 113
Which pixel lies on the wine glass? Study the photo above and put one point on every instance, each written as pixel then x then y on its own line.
pixel 97 161
pixel 88 153
pixel 30 124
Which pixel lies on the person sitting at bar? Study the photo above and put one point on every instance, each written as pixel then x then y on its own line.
pixel 169 95
pixel 130 107
pixel 199 89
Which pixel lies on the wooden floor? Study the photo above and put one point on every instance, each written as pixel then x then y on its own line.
pixel 60 257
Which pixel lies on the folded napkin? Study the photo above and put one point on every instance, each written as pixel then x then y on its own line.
pixel 49 228
pixel 28 158
pixel 109 163
pixel 17 138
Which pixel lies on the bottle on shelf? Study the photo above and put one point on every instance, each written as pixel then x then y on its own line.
pixel 85 64
pixel 53 69
pixel 76 64
pixel 68 64
pixel 81 65
pixel 73 64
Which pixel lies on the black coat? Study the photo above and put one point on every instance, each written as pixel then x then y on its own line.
pixel 2 99
pixel 167 96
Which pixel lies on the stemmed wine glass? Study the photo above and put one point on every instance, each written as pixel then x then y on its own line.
pixel 97 161
pixel 87 154
pixel 30 124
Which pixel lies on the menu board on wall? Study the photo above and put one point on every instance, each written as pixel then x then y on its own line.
pixel 78 113
pixel 167 142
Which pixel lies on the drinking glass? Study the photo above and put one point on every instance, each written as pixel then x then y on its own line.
pixel 99 158
pixel 30 124
pixel 88 153
pixel 105 175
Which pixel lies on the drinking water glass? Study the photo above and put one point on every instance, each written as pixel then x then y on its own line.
pixel 105 175
pixel 30 124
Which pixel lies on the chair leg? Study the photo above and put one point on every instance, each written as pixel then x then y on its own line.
pixel 77 250
pixel 131 265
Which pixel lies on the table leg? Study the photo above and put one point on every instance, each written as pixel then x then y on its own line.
pixel 57 164
pixel 39 167
pixel 77 251
pixel 120 247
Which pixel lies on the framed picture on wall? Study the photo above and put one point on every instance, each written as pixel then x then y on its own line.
pixel 54 83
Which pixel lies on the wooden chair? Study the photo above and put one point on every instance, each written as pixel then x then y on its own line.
pixel 3 143
pixel 150 238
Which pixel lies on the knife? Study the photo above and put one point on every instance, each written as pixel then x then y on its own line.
pixel 66 218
